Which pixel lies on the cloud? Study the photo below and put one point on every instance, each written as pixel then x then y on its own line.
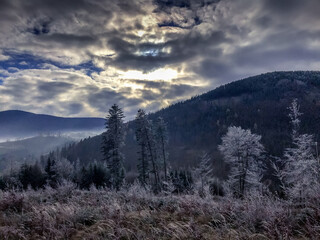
pixel 3 57
pixel 71 92
pixel 77 57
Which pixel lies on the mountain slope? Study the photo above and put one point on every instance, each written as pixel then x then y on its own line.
pixel 259 103
pixel 14 123
pixel 29 149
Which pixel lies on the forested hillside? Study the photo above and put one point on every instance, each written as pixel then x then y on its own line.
pixel 15 153
pixel 259 103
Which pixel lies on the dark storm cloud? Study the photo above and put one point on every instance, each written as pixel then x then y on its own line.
pixel 285 37
pixel 284 7
pixel 166 5
pixel 42 27
pixel 212 68
pixel 182 14
pixel 171 23
pixel 130 56
pixel 70 40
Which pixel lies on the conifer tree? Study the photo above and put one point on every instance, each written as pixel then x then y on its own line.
pixel 161 134
pixel 113 141
pixel 143 165
pixel 51 172
pixel 31 175
pixel 147 152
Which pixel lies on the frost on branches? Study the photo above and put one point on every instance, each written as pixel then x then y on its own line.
pixel 203 174
pixel 241 150
pixel 301 172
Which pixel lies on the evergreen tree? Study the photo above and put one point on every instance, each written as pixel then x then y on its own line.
pixel 161 134
pixel 31 175
pixel 148 152
pixel 241 149
pixel 113 141
pixel 51 173
pixel 143 165
pixel 85 179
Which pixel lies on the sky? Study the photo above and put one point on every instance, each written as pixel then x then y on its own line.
pixel 77 57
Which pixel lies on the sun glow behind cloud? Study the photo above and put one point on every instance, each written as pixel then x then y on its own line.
pixel 163 74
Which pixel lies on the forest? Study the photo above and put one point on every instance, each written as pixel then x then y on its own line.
pixel 263 196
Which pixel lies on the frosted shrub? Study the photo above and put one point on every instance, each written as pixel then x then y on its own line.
pixel 138 191
pixel 65 189
pixel 12 201
pixel 86 216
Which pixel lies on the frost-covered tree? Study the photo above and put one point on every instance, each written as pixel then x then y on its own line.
pixel 301 171
pixel 113 141
pixel 203 172
pixel 147 152
pixel 241 150
pixel 65 169
pixel 161 134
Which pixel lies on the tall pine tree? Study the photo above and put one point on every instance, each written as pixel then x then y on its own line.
pixel 143 165
pixel 113 141
pixel 161 134
pixel 146 140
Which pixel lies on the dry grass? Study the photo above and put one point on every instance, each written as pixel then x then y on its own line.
pixel 135 213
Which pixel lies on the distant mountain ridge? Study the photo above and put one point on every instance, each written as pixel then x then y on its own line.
pixel 16 123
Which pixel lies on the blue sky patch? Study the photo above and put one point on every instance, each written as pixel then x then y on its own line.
pixel 21 61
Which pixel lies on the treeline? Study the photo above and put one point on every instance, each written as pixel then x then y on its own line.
pixel 293 176
pixel 54 172
pixel 154 170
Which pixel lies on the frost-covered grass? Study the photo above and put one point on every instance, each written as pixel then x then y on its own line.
pixel 136 213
